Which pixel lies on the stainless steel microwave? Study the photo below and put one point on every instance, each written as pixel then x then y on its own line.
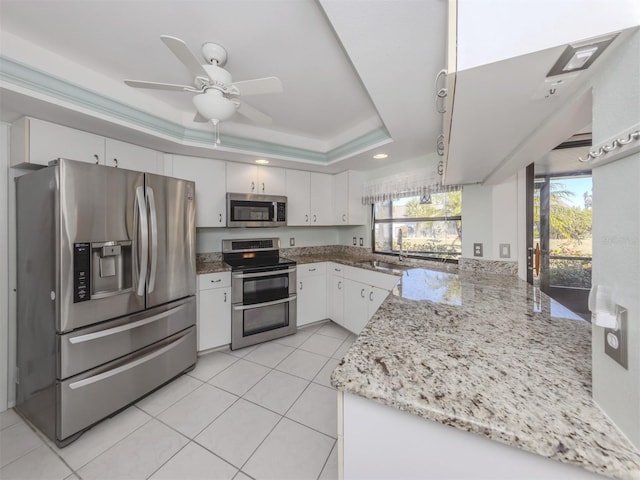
pixel 249 210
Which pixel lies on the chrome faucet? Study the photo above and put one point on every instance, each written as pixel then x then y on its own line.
pixel 400 255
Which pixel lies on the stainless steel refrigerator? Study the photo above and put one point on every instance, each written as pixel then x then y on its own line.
pixel 106 283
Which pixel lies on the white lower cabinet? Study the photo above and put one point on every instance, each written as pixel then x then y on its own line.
pixel 362 300
pixel 214 310
pixel 335 293
pixel 312 293
pixel 355 294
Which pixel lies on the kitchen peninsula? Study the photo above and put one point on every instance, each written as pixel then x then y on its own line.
pixel 445 347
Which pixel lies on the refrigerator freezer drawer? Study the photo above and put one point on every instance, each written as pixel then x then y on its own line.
pixel 90 347
pixel 88 398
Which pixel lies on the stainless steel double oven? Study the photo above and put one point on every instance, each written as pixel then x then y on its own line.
pixel 263 291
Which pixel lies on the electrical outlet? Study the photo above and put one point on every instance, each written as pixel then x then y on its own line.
pixel 477 249
pixel 505 250
pixel 292 241
pixel 361 242
pixel 615 341
pixel 355 241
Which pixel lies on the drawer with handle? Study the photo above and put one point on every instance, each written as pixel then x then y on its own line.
pixel 309 269
pixel 214 280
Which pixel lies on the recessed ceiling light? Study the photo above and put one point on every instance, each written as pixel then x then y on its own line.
pixel 379 156
pixel 580 56
pixel 262 161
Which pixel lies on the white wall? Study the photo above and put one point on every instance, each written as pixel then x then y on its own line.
pixel 210 239
pixel 616 234
pixel 4 264
pixel 491 215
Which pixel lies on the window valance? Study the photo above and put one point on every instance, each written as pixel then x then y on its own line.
pixel 406 184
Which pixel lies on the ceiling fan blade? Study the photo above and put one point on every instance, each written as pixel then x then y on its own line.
pixel 180 50
pixel 157 85
pixel 254 114
pixel 258 86
pixel 200 118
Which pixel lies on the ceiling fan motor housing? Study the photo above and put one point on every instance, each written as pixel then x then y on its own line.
pixel 214 53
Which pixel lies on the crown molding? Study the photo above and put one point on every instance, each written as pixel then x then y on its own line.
pixel 58 90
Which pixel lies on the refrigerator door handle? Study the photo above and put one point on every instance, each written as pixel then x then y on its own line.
pixel 153 221
pixel 143 240
pixel 123 328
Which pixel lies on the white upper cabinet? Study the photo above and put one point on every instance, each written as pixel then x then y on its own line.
pixel 347 194
pixel 242 178
pixel 309 198
pixel 272 181
pixel 321 199
pixel 246 178
pixel 297 191
pixel 209 175
pixel 36 142
pixel 133 157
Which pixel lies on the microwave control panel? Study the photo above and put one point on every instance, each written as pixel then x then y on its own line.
pixel 280 214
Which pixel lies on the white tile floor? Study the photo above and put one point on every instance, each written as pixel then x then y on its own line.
pixel 263 412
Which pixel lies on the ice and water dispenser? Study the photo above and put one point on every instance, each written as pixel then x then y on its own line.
pixel 101 269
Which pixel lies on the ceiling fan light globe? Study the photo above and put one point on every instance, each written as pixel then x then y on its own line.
pixel 213 106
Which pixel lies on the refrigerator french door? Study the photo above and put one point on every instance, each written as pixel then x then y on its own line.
pixel 106 285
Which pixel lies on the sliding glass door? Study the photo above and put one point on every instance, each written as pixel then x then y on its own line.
pixel 560 230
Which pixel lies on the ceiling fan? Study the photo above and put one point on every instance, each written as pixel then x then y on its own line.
pixel 217 96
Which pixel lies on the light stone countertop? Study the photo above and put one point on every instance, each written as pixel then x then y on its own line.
pixel 482 353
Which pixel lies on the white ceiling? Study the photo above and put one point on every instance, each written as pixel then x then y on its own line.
pixel 349 68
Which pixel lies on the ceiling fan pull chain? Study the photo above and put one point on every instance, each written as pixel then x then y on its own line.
pixel 216 125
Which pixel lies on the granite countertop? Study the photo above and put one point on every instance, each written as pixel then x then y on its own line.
pixel 212 267
pixel 485 354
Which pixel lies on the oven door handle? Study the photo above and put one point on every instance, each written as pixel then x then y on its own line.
pixel 265 304
pixel 270 273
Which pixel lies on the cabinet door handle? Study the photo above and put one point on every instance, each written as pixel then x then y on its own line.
pixel 371 296
pixel 337 269
pixel 253 186
pixel 362 293
pixel 262 187
pixel 339 285
pixel 220 218
pixel 344 217
pixel 115 160
pixel 216 281
pixel 225 297
pixel 300 285
pixel 95 155
pixel 314 218
pixel 306 218
pixel 312 269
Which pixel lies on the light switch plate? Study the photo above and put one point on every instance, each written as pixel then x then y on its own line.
pixel 292 241
pixel 477 249
pixel 355 241
pixel 361 242
pixel 505 250
pixel 615 341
